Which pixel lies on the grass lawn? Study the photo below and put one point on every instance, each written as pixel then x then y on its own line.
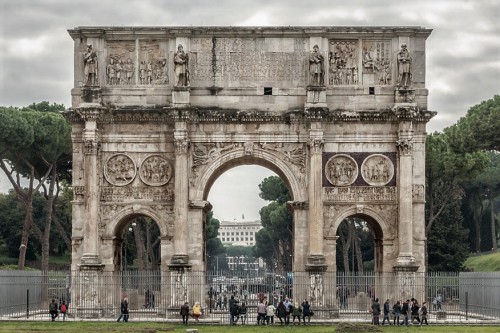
pixel 484 263
pixel 137 327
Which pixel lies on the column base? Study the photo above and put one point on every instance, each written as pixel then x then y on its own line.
pixel 315 263
pixel 405 263
pixel 90 259
pixel 180 96
pixel 179 262
pixel 316 97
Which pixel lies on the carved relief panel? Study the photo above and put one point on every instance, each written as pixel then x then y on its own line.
pixel 343 61
pixel 119 170
pixel 120 65
pixel 377 170
pixel 341 170
pixel 153 64
pixel 376 62
pixel 155 170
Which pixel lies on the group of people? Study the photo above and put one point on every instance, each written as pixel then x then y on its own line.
pixel 55 309
pixel 284 311
pixel 194 312
pixel 409 312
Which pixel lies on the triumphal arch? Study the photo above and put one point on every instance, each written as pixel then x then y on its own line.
pixel 158 113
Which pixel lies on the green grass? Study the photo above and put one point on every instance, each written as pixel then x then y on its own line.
pixel 484 263
pixel 114 327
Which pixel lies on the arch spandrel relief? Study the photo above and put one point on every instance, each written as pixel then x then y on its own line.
pixel 341 170
pixel 120 170
pixel 377 170
pixel 155 171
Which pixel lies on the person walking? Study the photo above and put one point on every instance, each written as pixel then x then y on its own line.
pixel 123 310
pixel 423 314
pixel 414 311
pixel 234 311
pixel 185 313
pixel 404 311
pixel 53 310
pixel 396 309
pixel 387 310
pixel 376 312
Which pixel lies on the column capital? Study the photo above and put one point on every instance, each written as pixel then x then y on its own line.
pixel 405 146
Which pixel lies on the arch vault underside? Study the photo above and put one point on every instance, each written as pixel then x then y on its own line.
pixel 151 135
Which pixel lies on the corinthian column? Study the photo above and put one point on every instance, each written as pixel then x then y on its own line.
pixel 405 181
pixel 91 175
pixel 180 257
pixel 316 259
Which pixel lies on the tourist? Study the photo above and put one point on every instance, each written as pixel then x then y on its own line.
pixel 281 312
pixel 197 311
pixel 387 310
pixel 306 312
pixel 423 314
pixel 288 306
pixel 234 310
pixel 414 311
pixel 261 313
pixel 64 309
pixel 53 310
pixel 123 310
pixel 375 312
pixel 296 313
pixel 243 313
pixel 396 309
pixel 185 313
pixel 404 311
pixel 270 309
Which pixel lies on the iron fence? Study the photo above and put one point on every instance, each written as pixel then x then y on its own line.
pixel 334 296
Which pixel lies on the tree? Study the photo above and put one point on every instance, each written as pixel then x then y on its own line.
pixel 32 145
pixel 479 129
pixel 213 245
pixel 274 241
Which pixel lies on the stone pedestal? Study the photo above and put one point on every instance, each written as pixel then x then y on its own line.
pixel 404 95
pixel 91 95
pixel 180 96
pixel 316 97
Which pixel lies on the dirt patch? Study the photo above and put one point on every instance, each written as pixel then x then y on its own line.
pixel 353 327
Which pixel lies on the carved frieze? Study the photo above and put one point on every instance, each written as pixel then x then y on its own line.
pixel 418 193
pixel 120 169
pixel 129 193
pixel 295 153
pixel 120 68
pixel 341 170
pixel 360 194
pixel 343 60
pixel 377 170
pixel 155 170
pixel 245 60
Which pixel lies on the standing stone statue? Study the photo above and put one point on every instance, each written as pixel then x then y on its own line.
pixel 404 67
pixel 316 67
pixel 181 61
pixel 90 66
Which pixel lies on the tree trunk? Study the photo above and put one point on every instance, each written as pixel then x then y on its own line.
pixel 357 250
pixel 478 212
pixel 492 221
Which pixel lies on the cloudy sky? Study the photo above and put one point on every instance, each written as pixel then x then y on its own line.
pixel 463 52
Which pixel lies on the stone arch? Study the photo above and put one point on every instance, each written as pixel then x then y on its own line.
pixel 218 166
pixel 120 219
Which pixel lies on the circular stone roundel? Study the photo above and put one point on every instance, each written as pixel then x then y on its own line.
pixel 377 170
pixel 341 170
pixel 120 170
pixel 155 171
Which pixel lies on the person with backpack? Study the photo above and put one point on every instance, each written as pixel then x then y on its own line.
pixel 53 310
pixel 423 314
pixel 64 309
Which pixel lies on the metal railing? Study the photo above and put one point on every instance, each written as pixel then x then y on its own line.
pixel 334 296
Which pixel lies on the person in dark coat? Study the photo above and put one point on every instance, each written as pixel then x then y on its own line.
pixel 185 313
pixel 376 312
pixel 387 311
pixel 306 312
pixel 404 311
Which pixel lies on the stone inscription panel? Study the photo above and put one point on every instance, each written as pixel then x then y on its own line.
pixel 248 62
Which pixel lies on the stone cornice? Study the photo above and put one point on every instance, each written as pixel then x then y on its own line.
pixel 207 115
pixel 113 32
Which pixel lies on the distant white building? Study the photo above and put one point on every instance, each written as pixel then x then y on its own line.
pixel 238 233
